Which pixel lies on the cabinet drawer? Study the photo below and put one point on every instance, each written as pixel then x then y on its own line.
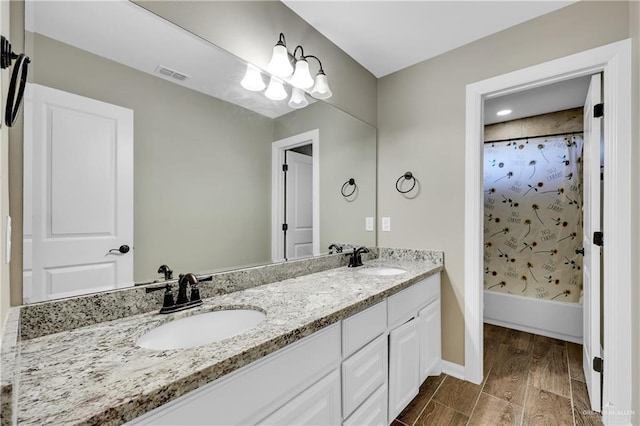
pixel 405 304
pixel 373 412
pixel 363 373
pixel 247 395
pixel 363 327
pixel 318 405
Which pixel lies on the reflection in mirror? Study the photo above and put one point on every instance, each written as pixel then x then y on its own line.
pixel 144 137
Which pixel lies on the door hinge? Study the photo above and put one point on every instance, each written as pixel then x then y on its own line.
pixel 285 227
pixel 598 365
pixel 598 238
pixel 285 167
pixel 598 110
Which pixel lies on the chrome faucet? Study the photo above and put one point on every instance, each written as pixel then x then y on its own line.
pixel 355 258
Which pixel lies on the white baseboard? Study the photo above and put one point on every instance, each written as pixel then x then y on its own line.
pixel 452 369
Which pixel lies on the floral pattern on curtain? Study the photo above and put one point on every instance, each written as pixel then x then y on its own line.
pixel 533 217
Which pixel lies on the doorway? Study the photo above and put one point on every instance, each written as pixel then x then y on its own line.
pixel 295 229
pixel 614 61
pixel 542 204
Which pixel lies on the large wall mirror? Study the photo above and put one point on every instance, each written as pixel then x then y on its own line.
pixel 142 149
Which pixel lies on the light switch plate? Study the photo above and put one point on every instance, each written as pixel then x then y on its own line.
pixel 386 224
pixel 368 224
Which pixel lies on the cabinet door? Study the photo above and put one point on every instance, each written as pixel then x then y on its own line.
pixel 404 366
pixel 430 340
pixel 318 405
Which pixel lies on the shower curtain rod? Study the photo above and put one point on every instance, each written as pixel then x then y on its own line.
pixel 534 137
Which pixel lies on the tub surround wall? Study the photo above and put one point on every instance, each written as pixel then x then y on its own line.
pixel 421 127
pixel 568 120
pixel 296 307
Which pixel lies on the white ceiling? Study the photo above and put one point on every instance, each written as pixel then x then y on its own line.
pixel 550 98
pixel 387 36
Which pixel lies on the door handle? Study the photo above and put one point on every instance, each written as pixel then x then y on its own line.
pixel 122 249
pixel 580 251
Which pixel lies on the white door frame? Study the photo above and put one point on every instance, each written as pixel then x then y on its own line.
pixel 615 61
pixel 277 189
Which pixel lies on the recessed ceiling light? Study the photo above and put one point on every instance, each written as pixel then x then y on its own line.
pixel 504 112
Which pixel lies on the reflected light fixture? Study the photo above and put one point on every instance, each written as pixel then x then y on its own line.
pixel 275 91
pixel 298 100
pixel 253 79
pixel 503 112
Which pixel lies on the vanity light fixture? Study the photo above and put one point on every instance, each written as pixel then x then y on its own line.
pixel 253 79
pixel 280 64
pixel 504 112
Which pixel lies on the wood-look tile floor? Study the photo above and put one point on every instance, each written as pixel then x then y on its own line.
pixel 529 380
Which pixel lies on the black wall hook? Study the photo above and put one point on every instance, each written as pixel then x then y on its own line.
pixel 350 182
pixel 406 176
pixel 18 80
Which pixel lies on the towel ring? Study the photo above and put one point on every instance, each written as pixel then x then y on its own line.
pixel 350 182
pixel 406 176
pixel 18 80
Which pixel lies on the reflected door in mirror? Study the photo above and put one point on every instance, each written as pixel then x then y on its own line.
pixel 299 206
pixel 78 195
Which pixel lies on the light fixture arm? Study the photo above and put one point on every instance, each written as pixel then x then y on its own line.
pixel 281 40
pixel 295 51
pixel 316 58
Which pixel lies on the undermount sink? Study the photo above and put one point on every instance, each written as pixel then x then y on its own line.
pixel 201 329
pixel 382 271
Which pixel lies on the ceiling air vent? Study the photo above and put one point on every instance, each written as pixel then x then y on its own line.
pixel 168 72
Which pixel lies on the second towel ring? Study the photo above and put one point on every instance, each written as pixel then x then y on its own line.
pixel 350 182
pixel 406 176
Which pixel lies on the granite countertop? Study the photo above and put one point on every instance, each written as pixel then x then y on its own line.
pixel 97 375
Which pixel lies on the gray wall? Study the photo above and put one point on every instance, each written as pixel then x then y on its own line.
pixel 347 149
pixel 249 30
pixel 192 210
pixel 421 127
pixel 634 33
pixel 4 180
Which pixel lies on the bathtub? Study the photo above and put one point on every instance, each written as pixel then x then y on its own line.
pixel 561 320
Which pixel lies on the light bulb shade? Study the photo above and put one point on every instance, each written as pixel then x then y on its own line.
pixel 321 89
pixel 298 100
pixel 280 65
pixel 253 79
pixel 301 76
pixel 275 91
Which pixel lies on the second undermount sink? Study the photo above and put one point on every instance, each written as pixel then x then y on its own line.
pixel 382 271
pixel 201 329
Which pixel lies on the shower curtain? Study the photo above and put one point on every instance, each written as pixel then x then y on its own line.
pixel 533 217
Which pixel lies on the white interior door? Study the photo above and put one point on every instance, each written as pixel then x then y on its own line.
pixel 78 195
pixel 299 206
pixel 592 252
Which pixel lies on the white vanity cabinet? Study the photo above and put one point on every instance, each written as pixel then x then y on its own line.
pixel 414 322
pixel 363 370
